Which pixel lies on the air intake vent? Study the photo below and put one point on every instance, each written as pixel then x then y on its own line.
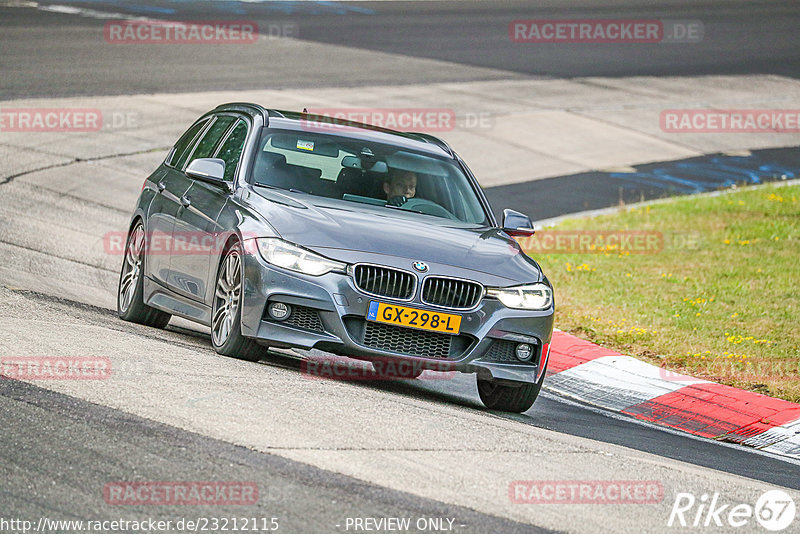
pixel 407 341
pixel 385 281
pixel 305 318
pixel 451 293
pixel 505 351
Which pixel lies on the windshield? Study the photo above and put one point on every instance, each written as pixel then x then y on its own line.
pixel 365 172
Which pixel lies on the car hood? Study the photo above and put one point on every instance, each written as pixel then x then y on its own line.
pixel 336 227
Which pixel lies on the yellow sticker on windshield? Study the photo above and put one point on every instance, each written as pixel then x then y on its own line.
pixel 305 145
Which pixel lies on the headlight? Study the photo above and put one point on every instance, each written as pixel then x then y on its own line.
pixel 284 254
pixel 527 297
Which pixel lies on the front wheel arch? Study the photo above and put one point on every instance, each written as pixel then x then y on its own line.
pixel 234 344
pixel 136 310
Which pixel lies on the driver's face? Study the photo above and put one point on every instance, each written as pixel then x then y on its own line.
pixel 402 184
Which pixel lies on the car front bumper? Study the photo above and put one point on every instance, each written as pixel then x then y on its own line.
pixel 328 313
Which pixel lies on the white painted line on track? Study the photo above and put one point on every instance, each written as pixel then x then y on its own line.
pixel 616 382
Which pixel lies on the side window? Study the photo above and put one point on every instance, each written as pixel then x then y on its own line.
pixel 212 136
pixel 231 149
pixel 184 145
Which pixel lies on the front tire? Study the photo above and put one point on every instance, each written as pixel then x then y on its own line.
pixel 130 292
pixel 509 397
pixel 226 313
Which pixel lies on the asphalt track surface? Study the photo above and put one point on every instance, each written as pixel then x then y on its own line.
pixel 740 37
pixel 57 449
pixel 553 197
pixel 88 446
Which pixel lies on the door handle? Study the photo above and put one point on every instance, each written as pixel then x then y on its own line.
pixel 161 186
pixel 186 201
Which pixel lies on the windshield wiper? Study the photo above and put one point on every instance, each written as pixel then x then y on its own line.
pixel 268 186
pixel 401 208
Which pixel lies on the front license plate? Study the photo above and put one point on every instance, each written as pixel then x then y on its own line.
pixel 414 318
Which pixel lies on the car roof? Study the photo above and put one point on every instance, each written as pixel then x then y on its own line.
pixel 297 120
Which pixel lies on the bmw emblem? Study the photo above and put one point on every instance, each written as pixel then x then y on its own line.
pixel 421 266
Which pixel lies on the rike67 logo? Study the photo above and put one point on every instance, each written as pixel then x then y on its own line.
pixel 774 511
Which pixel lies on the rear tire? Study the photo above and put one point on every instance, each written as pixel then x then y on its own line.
pixel 509 398
pixel 226 312
pixel 130 292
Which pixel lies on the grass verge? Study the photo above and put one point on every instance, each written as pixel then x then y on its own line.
pixel 708 286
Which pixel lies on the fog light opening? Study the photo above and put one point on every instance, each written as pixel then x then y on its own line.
pixel 524 352
pixel 279 311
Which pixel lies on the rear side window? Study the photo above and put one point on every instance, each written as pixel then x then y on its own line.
pixel 231 149
pixel 212 136
pixel 184 145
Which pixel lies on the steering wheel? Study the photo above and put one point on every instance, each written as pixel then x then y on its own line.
pixel 428 207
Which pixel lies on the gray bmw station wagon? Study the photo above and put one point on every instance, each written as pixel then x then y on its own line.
pixel 284 229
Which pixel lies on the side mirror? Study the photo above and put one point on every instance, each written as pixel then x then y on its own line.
pixel 517 224
pixel 211 170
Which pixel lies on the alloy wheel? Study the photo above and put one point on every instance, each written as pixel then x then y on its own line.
pixel 226 299
pixel 132 268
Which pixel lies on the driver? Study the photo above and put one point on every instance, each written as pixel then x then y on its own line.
pixel 400 186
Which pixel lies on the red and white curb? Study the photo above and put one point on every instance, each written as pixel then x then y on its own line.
pixel 601 377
